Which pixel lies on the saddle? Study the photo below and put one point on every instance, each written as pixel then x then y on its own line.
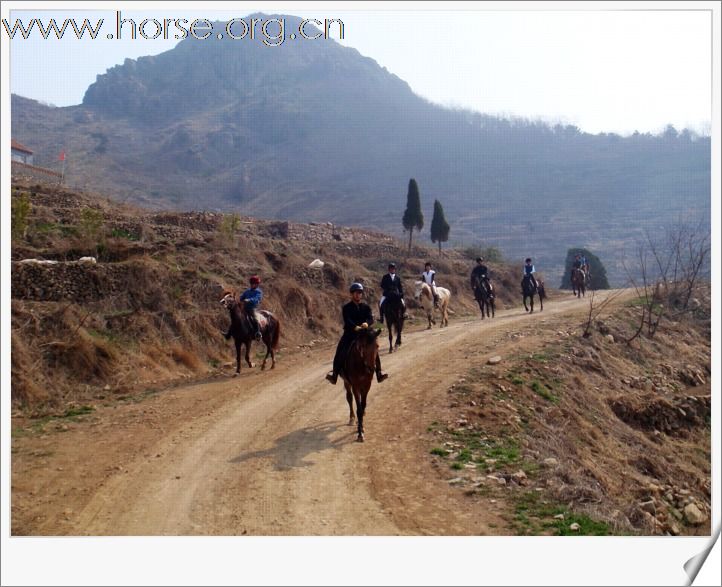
pixel 262 317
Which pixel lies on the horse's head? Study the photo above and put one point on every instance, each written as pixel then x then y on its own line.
pixel 418 288
pixel 228 300
pixel 368 346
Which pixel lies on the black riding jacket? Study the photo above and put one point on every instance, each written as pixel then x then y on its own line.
pixel 355 315
pixel 392 286
pixel 479 272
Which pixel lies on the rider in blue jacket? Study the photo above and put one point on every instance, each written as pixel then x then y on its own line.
pixel 252 298
pixel 529 271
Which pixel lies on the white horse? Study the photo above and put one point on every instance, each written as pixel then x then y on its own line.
pixel 422 293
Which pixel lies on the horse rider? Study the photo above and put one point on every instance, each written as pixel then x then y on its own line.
pixel 585 263
pixel 428 278
pixel 577 263
pixel 479 273
pixel 356 316
pixel 391 284
pixel 580 264
pixel 252 298
pixel 529 271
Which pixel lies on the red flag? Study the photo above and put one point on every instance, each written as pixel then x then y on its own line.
pixel 62 156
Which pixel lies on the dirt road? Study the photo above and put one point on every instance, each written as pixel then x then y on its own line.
pixel 268 453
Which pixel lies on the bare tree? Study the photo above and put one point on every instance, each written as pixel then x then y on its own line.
pixel 668 271
pixel 596 309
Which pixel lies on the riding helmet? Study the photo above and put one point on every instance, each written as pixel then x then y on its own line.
pixel 392 266
pixel 356 287
pixel 255 280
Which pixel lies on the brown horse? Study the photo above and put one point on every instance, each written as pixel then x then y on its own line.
pixel 485 297
pixel 243 333
pixel 358 373
pixel 579 279
pixel 393 309
pixel 528 290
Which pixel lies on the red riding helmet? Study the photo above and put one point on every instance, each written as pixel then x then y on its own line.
pixel 255 280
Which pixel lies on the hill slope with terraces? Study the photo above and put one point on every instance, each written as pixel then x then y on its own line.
pixel 147 312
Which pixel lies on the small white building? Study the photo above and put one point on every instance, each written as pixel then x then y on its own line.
pixel 20 153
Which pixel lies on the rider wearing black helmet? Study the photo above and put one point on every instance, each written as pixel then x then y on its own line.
pixel 479 273
pixel 356 316
pixel 391 284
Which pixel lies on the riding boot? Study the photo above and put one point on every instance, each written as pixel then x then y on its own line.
pixel 380 375
pixel 255 326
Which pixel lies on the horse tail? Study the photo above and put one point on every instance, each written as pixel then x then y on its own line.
pixel 276 335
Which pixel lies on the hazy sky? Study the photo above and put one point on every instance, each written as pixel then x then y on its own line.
pixel 602 70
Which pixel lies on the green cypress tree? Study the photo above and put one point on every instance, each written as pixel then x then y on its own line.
pixel 598 274
pixel 439 226
pixel 413 217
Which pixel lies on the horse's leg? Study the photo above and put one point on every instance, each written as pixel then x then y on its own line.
pixel 349 399
pixel 268 352
pixel 359 415
pixel 248 355
pixel 238 357
pixel 429 318
pixel 399 328
pixel 541 303
pixel 360 411
pixel 391 336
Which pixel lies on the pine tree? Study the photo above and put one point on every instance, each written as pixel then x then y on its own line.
pixel 413 217
pixel 597 272
pixel 439 226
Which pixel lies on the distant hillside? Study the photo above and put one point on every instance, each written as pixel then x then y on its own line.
pixel 315 131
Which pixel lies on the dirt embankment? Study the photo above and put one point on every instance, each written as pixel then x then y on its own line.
pixel 147 312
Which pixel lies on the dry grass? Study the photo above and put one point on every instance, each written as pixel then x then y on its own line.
pixel 149 311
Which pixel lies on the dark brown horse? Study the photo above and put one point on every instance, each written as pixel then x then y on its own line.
pixel 358 373
pixel 485 297
pixel 244 334
pixel 393 309
pixel 528 290
pixel 579 279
